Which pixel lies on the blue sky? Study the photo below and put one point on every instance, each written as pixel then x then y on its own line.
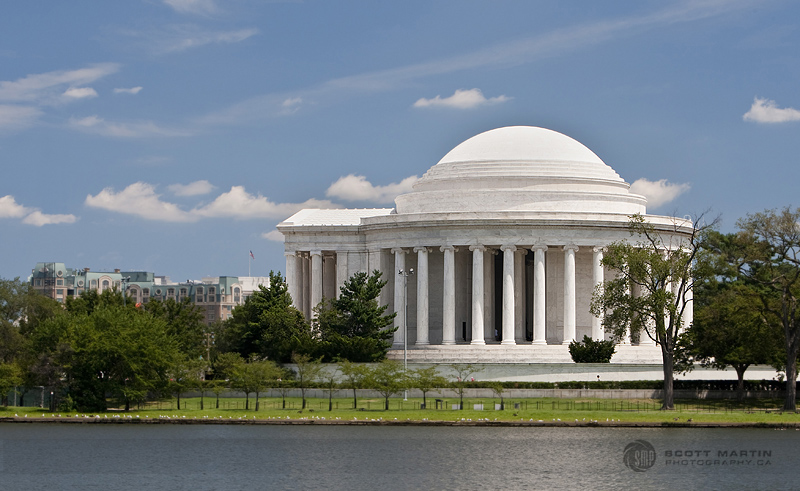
pixel 173 135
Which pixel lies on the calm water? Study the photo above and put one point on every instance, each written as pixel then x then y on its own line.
pixel 173 457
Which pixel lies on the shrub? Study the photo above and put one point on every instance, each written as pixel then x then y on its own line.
pixel 591 351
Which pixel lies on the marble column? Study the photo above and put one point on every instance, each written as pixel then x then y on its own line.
pixel 399 296
pixel 626 337
pixel 477 294
pixel 539 318
pixel 291 277
pixel 488 296
pixel 508 294
pixel 569 294
pixel 422 296
pixel 341 271
pixel 316 280
pixel 519 295
pixel 449 296
pixel 305 285
pixel 597 279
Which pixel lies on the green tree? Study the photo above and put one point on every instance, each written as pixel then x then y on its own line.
pixel 498 389
pixel 186 374
pixel 387 379
pixel 426 379
pixel 185 323
pixel 771 261
pixel 307 371
pixel 253 377
pixel 267 325
pixel 591 351
pixel 663 266
pixel 354 375
pixel 10 377
pixel 462 373
pixel 354 326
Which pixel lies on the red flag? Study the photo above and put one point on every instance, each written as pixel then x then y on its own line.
pixel 251 255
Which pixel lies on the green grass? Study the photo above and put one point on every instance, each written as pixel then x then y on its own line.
pixel 540 409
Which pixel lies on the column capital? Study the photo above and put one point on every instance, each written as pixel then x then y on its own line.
pixel 599 249
pixel 477 248
pixel 508 247
pixel 398 250
pixel 315 253
pixel 448 248
pixel 422 249
pixel 571 247
pixel 539 247
pixel 290 254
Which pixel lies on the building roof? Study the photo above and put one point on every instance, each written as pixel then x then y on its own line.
pixel 521 168
pixel 342 217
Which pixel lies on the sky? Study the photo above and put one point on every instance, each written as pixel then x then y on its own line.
pixel 173 135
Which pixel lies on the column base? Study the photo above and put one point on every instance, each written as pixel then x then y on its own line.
pixel 567 341
pixel 540 342
pixel 448 343
pixel 425 343
pixel 480 342
pixel 508 343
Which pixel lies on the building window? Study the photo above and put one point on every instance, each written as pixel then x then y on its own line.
pixel 146 292
pixel 171 292
pixel 184 292
pixel 236 295
pixel 59 292
pixel 94 284
pixel 60 282
pixel 211 290
pixel 106 284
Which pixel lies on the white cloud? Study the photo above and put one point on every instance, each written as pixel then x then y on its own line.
pixel 274 235
pixel 9 208
pixel 462 99
pixel 239 204
pixel 39 219
pixel 80 92
pixel 357 188
pixel 199 7
pixel 658 192
pixel 132 90
pixel 139 199
pixel 138 129
pixel 192 189
pixel 13 117
pixel 41 87
pixel 766 111
pixel 178 38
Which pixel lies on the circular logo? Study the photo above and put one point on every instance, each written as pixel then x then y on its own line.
pixel 639 456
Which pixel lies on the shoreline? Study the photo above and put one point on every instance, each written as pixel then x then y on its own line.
pixel 373 422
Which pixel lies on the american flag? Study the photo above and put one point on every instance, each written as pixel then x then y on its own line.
pixel 251 255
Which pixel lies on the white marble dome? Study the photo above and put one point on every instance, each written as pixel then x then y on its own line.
pixel 523 169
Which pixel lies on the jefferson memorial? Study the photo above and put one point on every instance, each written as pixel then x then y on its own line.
pixel 491 258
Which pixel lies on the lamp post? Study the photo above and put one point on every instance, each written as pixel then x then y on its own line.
pixel 123 281
pixel 405 274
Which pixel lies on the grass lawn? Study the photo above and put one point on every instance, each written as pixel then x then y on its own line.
pixel 540 409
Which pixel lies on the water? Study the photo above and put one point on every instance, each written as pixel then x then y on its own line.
pixel 178 457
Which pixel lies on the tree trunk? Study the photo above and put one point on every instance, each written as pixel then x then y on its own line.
pixel 179 401
pixel 247 401
pixel 669 398
pixel 303 395
pixel 461 400
pixel 355 400
pixel 386 406
pixel 256 400
pixel 201 400
pixel 283 399
pixel 424 400
pixel 740 369
pixel 330 399
pixel 790 403
pixel 217 401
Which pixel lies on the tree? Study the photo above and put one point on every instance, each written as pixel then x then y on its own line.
pixel 9 378
pixel 591 351
pixel 463 372
pixel 186 374
pixel 185 323
pixel 329 379
pixel 353 327
pixel 354 375
pixel 307 371
pixel 498 389
pixel 387 378
pixel 267 325
pixel 729 327
pixel 653 287
pixel 426 379
pixel 253 377
pixel 771 260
